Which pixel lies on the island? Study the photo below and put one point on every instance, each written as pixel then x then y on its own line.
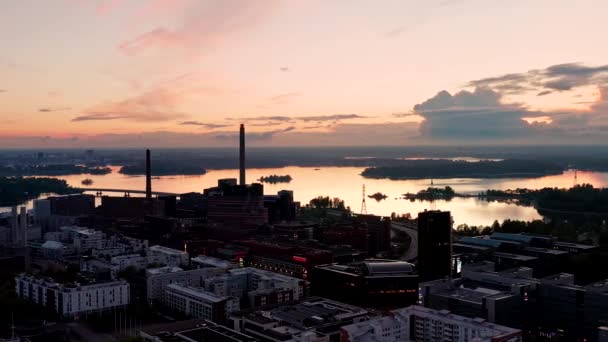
pixel 580 200
pixel 442 168
pixel 16 190
pixel 52 170
pixel 431 194
pixel 378 196
pixel 87 182
pixel 163 169
pixel 273 179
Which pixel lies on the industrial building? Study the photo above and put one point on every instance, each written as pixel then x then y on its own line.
pixel 371 283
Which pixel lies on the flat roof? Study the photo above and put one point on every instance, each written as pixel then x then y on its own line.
pixel 196 292
pixel 518 257
pixel 600 286
pixel 574 245
pixel 165 269
pixel 545 251
pixel 167 250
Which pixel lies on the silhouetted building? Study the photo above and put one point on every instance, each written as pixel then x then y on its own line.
pixel 378 231
pixel 239 205
pixel 371 283
pixel 282 258
pixel 434 245
pixel 130 207
pixel 170 205
pixel 281 207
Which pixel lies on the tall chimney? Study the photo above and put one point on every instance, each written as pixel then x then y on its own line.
pixel 242 180
pixel 148 176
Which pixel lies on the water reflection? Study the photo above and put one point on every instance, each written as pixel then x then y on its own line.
pixel 346 183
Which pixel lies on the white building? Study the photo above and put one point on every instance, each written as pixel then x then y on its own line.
pixel 72 300
pixel 167 256
pixel 158 278
pixel 121 262
pixel 416 323
pixel 258 286
pixel 83 239
pixel 198 303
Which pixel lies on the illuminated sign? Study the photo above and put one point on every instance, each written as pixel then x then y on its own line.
pixel 299 259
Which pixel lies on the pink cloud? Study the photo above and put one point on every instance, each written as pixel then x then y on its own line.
pixel 160 103
pixel 204 24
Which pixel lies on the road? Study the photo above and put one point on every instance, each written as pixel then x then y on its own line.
pixel 412 232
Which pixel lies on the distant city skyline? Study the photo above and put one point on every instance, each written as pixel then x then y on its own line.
pixel 181 73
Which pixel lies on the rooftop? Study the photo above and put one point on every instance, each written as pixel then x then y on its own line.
pixel 167 250
pixel 373 268
pixel 598 287
pixel 197 292
pixel 165 269
pixel 445 315
pixel 211 261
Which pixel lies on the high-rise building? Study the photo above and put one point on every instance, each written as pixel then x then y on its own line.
pixel 434 245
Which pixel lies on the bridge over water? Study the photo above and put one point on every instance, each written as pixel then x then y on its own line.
pixel 100 191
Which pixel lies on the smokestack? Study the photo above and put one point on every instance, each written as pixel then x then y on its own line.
pixel 148 176
pixel 242 180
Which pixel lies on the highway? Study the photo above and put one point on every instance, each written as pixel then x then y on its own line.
pixel 412 232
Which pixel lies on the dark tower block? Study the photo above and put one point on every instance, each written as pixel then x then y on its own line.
pixel 148 176
pixel 242 180
pixel 434 245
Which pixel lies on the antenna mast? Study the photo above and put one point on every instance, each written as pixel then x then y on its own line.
pixel 363 205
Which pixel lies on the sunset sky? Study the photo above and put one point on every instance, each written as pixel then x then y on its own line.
pixel 110 73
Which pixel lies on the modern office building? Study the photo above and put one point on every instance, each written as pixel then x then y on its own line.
pixel 434 245
pixel 82 239
pixel 72 300
pixel 416 323
pixel 371 283
pixel 158 278
pixel 257 288
pixel 167 256
pixel 196 302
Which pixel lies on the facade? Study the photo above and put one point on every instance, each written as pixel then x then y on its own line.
pixel 256 287
pixel 241 206
pixel 167 256
pixel 373 283
pixel 416 323
pixel 72 300
pixel 434 245
pixel 158 278
pixel 196 302
pixel 82 239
